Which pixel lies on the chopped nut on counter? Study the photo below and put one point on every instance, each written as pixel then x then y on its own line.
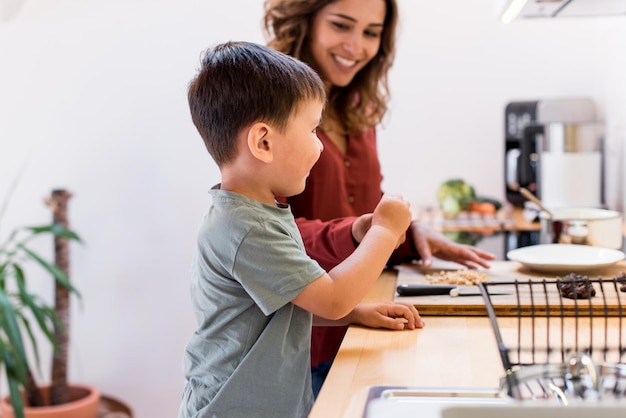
pixel 461 277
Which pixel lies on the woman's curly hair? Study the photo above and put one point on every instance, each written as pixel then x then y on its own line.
pixel 359 105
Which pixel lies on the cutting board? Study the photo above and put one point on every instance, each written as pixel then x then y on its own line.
pixel 542 301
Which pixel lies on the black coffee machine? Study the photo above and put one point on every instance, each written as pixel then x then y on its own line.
pixel 521 121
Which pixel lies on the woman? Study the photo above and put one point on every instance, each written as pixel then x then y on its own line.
pixel 351 44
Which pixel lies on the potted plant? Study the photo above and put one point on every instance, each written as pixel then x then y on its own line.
pixel 22 313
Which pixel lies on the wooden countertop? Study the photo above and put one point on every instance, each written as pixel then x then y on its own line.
pixel 610 300
pixel 449 352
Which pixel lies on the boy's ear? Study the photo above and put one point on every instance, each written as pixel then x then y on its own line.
pixel 260 142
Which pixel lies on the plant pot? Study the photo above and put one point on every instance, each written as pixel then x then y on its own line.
pixel 84 404
pixel 113 408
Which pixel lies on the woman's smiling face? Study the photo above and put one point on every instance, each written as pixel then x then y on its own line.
pixel 345 35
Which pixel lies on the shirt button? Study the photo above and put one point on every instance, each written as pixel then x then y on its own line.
pixel 350 199
pixel 347 163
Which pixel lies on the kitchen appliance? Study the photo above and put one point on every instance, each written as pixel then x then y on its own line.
pixel 569 163
pixel 525 123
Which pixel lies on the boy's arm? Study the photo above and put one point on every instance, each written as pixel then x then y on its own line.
pixel 331 242
pixel 328 242
pixel 337 292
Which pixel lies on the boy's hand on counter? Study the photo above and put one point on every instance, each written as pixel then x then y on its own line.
pixel 389 315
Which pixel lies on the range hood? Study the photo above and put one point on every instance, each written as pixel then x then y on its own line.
pixel 530 9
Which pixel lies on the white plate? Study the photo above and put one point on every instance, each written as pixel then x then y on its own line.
pixel 565 257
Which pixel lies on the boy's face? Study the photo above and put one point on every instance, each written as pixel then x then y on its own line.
pixel 298 149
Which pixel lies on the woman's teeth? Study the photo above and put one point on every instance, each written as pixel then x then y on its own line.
pixel 345 62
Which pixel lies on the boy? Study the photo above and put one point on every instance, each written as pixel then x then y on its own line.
pixel 254 289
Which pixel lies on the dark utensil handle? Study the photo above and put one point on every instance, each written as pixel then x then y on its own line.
pixel 424 290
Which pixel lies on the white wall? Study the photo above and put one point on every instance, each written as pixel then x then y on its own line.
pixel 456 70
pixel 92 98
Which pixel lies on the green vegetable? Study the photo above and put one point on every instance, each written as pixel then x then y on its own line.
pixel 454 195
pixel 464 237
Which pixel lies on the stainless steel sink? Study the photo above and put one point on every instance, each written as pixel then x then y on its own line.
pixel 403 394
pixel 405 402
pixel 402 401
pixel 525 410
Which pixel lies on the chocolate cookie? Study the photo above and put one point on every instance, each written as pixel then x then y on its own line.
pixel 621 278
pixel 576 286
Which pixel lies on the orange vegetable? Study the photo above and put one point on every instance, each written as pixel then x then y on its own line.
pixel 486 208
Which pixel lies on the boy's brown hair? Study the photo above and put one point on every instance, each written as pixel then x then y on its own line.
pixel 240 83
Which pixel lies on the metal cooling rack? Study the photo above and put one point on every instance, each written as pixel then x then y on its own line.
pixel 561 348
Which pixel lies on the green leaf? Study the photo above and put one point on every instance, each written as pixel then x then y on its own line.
pixel 14 389
pixel 20 278
pixel 33 341
pixel 8 322
pixel 3 275
pixel 44 315
pixel 12 379
pixel 56 229
pixel 16 398
pixel 52 269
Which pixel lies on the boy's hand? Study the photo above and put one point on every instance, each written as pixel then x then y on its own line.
pixel 392 213
pixel 389 315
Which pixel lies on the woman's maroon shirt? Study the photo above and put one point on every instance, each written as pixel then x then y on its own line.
pixel 340 188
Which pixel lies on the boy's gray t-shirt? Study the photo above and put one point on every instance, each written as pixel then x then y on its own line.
pixel 250 353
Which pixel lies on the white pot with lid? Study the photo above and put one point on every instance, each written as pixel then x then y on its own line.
pixel 586 226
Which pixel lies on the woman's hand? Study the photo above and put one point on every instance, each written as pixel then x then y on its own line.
pixel 360 227
pixel 389 315
pixel 431 243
